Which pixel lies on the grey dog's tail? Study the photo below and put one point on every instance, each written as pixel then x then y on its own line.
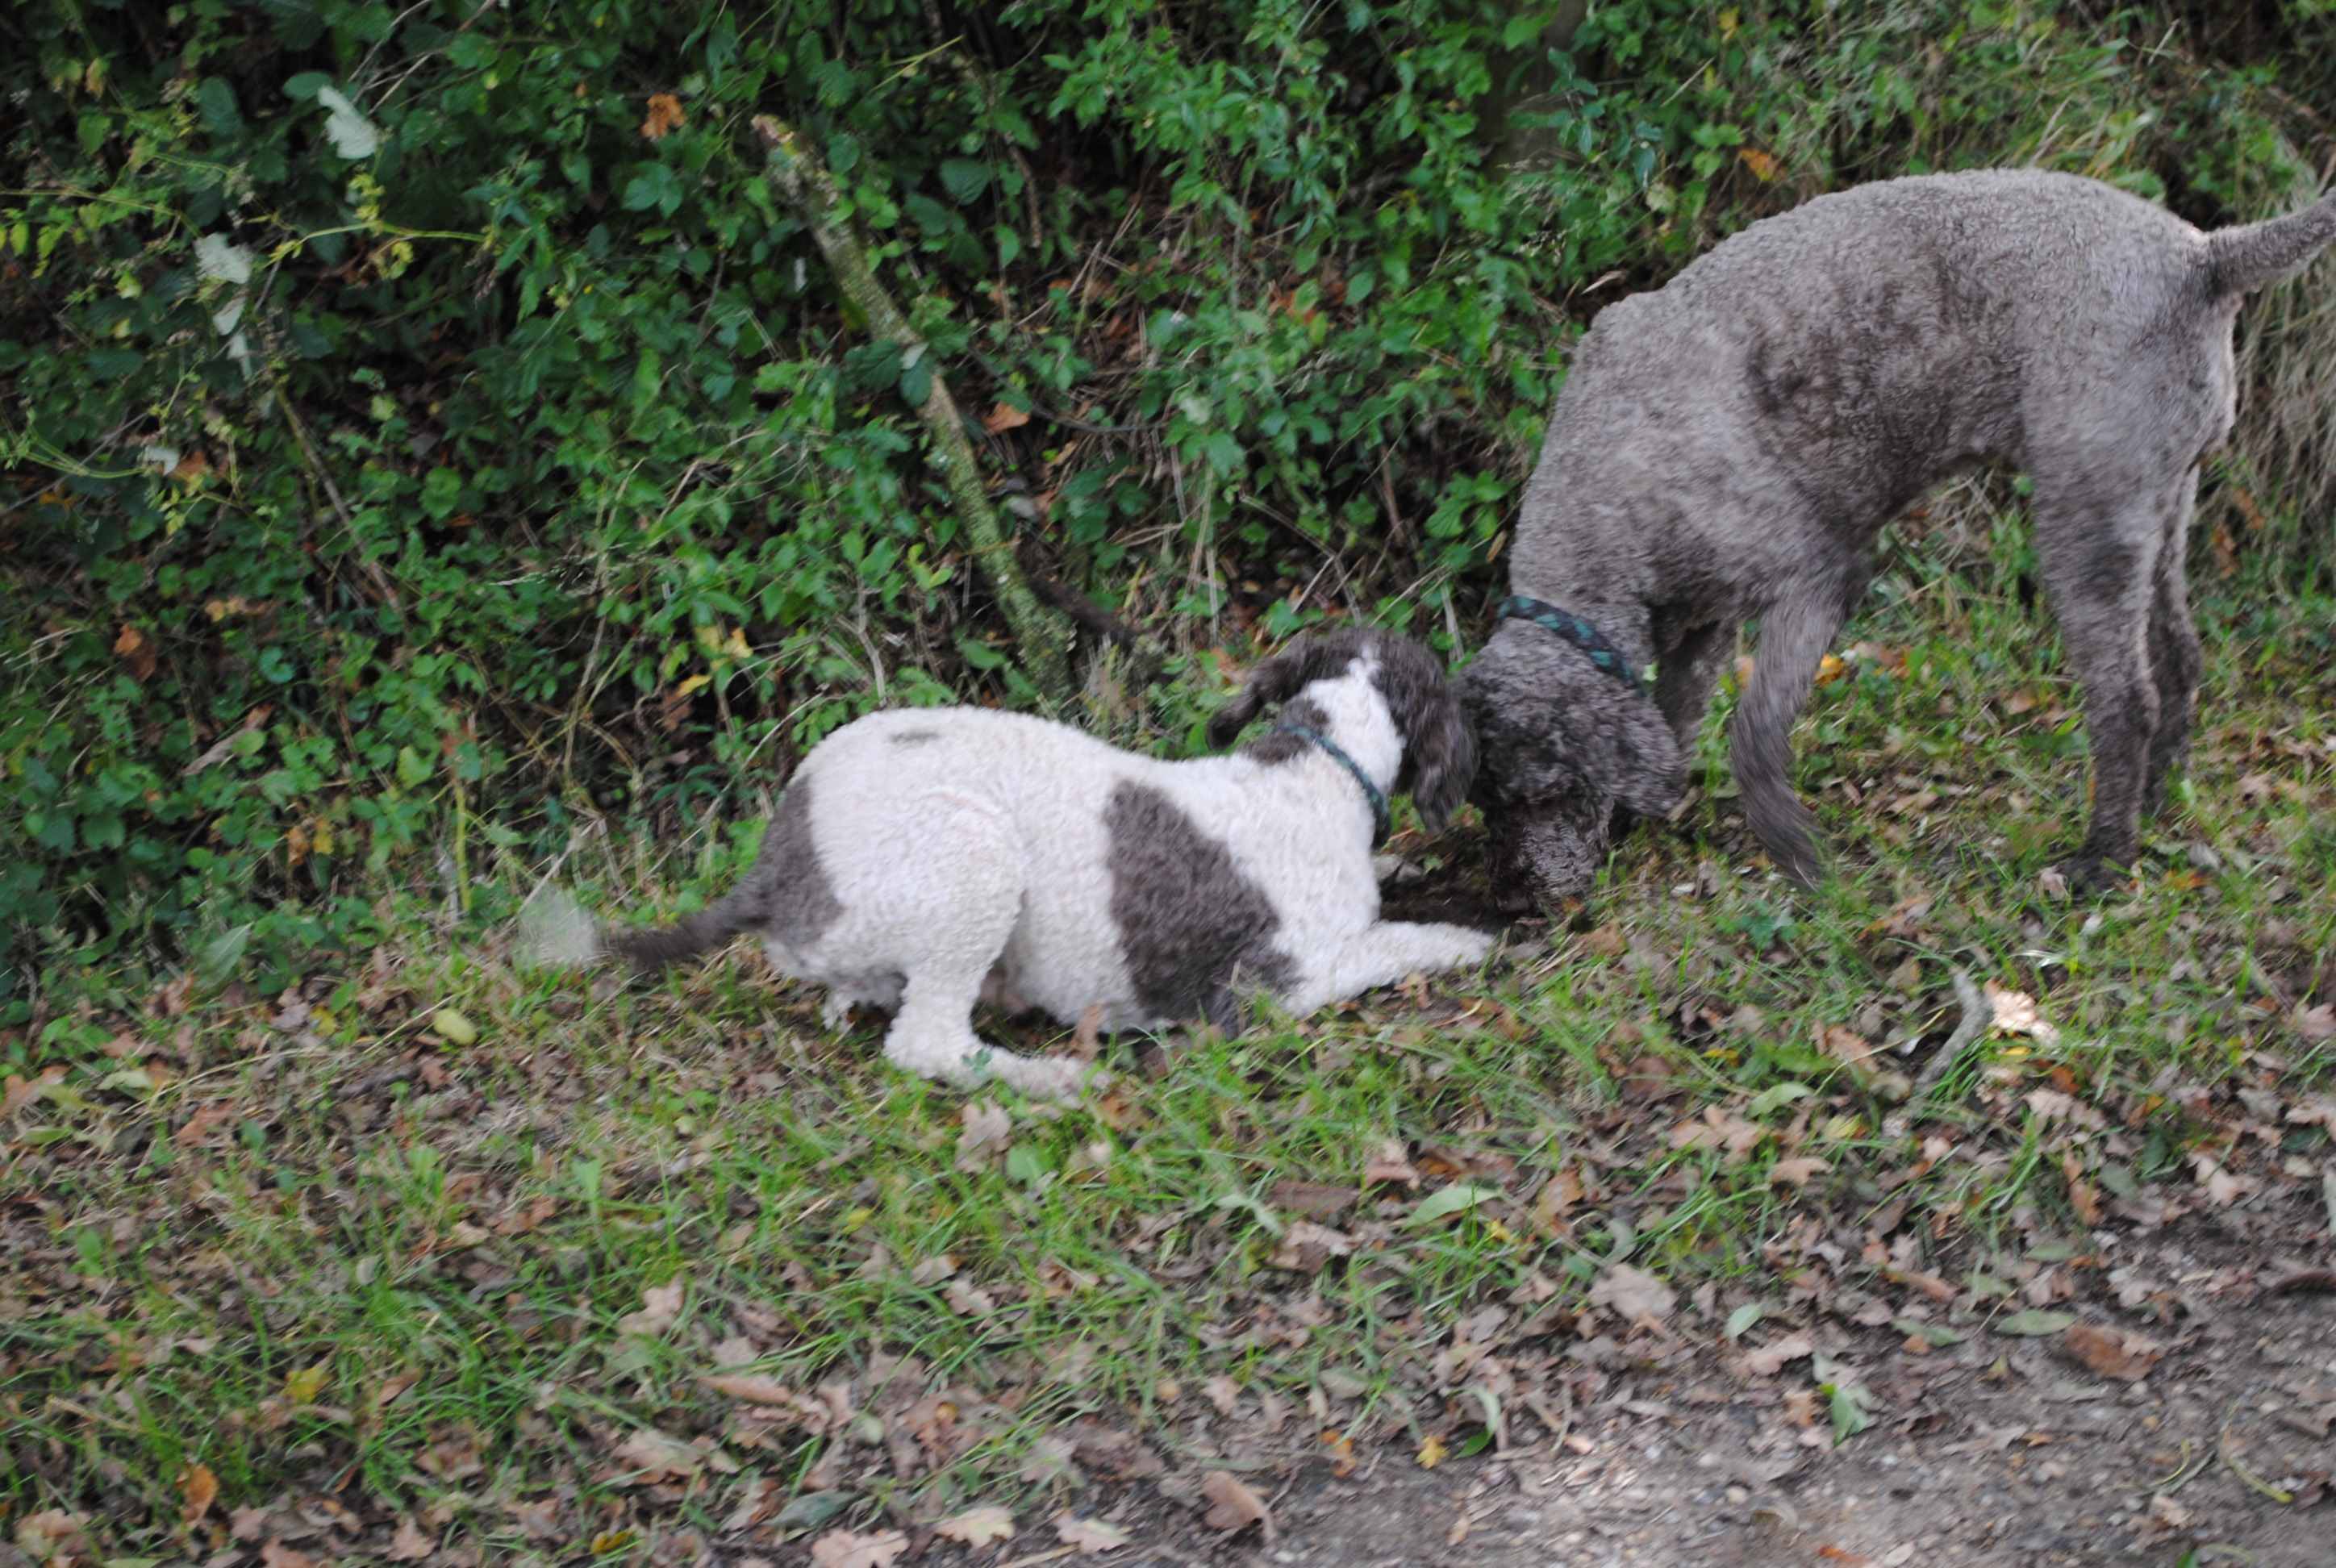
pixel 555 932
pixel 2241 259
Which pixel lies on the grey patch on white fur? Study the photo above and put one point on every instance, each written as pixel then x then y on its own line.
pixel 915 738
pixel 1196 934
pixel 787 897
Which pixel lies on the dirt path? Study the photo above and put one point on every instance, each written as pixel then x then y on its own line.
pixel 1996 1451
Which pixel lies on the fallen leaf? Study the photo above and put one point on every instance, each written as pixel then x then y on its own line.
pixel 1005 417
pixel 2111 1352
pixel 1315 1200
pixel 276 1554
pixel 136 651
pixel 977 1526
pixel 1797 1169
pixel 1389 1163
pixel 660 1305
pixel 410 1544
pixel 1307 1246
pixel 649 1456
pixel 2317 1024
pixel 664 115
pixel 304 1386
pixel 1765 169
pixel 2015 1013
pixel 1431 1452
pixel 1633 1295
pixel 198 1490
pixel 2032 1322
pixel 1770 1360
pixel 769 1395
pixel 849 1549
pixel 1452 1200
pixel 453 1027
pixel 1089 1534
pixel 1234 1507
pixel 986 1128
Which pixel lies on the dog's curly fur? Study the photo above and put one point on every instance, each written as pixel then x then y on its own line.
pixel 925 858
pixel 1729 445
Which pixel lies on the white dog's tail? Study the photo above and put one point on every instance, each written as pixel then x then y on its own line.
pixel 2243 259
pixel 556 933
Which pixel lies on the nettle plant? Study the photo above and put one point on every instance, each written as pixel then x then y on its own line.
pixel 429 427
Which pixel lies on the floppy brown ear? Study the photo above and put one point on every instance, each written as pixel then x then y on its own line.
pixel 1276 680
pixel 1439 746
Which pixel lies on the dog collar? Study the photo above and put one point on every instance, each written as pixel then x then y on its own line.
pixel 1338 753
pixel 1575 630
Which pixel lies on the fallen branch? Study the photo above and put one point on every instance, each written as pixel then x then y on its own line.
pixel 1042 637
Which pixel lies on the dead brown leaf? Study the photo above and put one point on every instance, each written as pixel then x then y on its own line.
pixel 2317 1024
pixel 1770 1360
pixel 136 652
pixel 1634 1295
pixel 665 116
pixel 850 1549
pixel 1797 1169
pixel 986 1128
pixel 198 1490
pixel 1234 1507
pixel 1089 1534
pixel 2016 1013
pixel 977 1526
pixel 1005 417
pixel 2111 1352
pixel 1390 1162
pixel 1306 1247
pixel 1314 1199
pixel 410 1544
pixel 660 1305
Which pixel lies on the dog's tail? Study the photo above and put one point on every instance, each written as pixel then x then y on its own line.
pixel 2243 259
pixel 555 932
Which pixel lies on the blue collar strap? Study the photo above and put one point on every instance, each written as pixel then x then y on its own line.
pixel 1338 753
pixel 1573 629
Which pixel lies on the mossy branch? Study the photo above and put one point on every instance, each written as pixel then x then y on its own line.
pixel 1042 637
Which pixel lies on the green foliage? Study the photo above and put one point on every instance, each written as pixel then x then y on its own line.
pixel 427 428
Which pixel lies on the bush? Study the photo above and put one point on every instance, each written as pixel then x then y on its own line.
pixel 429 427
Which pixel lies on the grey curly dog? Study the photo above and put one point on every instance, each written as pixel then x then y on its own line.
pixel 1731 444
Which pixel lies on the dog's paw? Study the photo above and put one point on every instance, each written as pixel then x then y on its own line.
pixel 2093 877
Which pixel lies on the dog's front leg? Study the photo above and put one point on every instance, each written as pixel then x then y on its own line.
pixel 1385 953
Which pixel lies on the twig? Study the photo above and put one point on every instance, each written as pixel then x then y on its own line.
pixel 1041 636
pixel 1975 1018
pixel 316 468
pixel 2253 1480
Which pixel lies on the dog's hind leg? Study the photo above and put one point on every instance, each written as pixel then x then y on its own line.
pixel 1794 632
pixel 2100 570
pixel 2174 660
pixel 1385 953
pixel 945 929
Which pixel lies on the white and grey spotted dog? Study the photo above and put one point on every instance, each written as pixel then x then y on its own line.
pixel 923 859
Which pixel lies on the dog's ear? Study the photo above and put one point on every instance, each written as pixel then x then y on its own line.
pixel 1275 681
pixel 1439 746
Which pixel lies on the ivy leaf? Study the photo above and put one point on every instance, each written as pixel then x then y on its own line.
pixel 216 99
pixel 964 179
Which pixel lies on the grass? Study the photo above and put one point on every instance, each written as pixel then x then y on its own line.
pixel 315 1249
